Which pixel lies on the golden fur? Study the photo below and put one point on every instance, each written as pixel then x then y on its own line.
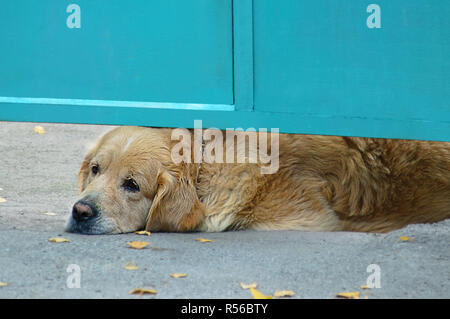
pixel 323 183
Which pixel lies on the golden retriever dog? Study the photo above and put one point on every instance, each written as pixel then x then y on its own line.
pixel 129 181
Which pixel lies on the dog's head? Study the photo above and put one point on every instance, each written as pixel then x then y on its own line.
pixel 128 182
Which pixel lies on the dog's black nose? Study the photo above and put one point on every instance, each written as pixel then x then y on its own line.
pixel 82 211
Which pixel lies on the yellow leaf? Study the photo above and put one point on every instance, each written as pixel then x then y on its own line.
pixel 364 287
pixel 178 275
pixel 143 291
pixel 348 295
pixel 58 240
pixel 131 266
pixel 283 293
pixel 252 285
pixel 3 284
pixel 204 240
pixel 39 129
pixel 2 200
pixel 405 238
pixel 258 294
pixel 142 232
pixel 138 244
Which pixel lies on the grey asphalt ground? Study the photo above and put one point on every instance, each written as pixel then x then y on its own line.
pixel 38 176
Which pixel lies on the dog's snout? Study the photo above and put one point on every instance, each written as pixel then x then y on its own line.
pixel 82 211
pixel 87 218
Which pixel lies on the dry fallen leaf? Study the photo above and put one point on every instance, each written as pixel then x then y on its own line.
pixel 39 129
pixel 348 295
pixel 258 294
pixel 252 285
pixel 131 266
pixel 283 293
pixel 3 284
pixel 58 240
pixel 2 200
pixel 138 244
pixel 204 240
pixel 405 238
pixel 142 232
pixel 178 275
pixel 143 291
pixel 364 287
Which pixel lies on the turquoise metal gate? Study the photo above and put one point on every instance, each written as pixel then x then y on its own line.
pixel 335 67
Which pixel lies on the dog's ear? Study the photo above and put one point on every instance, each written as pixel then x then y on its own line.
pixel 176 206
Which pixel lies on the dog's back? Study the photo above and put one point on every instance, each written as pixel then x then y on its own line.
pixel 411 183
pixel 357 184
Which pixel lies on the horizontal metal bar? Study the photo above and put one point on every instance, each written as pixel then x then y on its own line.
pixel 286 122
pixel 136 104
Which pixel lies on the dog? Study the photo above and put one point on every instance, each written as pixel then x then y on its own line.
pixel 129 181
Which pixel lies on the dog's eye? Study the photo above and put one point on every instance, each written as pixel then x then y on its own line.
pixel 130 185
pixel 94 169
